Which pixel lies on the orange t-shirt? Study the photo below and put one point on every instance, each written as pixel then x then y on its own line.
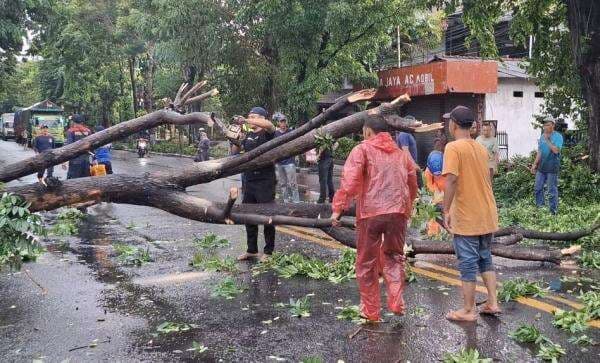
pixel 473 211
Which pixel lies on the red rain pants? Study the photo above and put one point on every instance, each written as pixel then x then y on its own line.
pixel 373 251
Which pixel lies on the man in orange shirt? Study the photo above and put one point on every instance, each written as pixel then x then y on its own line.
pixel 470 213
pixel 383 180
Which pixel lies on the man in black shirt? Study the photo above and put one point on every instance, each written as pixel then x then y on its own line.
pixel 259 184
pixel 41 144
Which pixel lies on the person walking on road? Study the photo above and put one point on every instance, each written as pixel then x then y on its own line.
pixel 382 179
pixel 546 166
pixel 286 168
pixel 102 155
pixel 488 140
pixel 258 185
pixel 79 167
pixel 42 144
pixel 470 213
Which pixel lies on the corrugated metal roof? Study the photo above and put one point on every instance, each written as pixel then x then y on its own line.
pixel 507 68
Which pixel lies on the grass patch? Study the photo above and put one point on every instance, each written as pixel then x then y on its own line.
pixel 227 289
pixel 295 264
pixel 130 255
pixel 465 356
pixel 513 289
pixel 351 313
pixel 211 241
pixel 300 308
pixel 589 259
pixel 67 222
pixel 571 321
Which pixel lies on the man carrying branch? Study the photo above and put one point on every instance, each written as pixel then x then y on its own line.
pixel 382 178
pixel 258 185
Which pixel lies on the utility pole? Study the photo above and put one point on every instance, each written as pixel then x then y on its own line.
pixel 399 46
pixel 530 46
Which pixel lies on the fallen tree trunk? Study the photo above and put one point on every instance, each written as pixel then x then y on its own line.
pixel 554 236
pixel 167 192
pixel 503 247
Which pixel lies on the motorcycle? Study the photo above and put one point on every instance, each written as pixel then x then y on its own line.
pixel 142 147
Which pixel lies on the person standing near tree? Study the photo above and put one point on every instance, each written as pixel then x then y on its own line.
pixel 382 179
pixel 407 142
pixel 470 213
pixel 546 165
pixel 79 167
pixel 42 144
pixel 203 147
pixel 102 155
pixel 258 185
pixel 325 166
pixel 286 168
pixel 488 140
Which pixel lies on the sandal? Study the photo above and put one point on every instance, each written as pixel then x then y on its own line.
pixel 455 316
pixel 247 256
pixel 485 310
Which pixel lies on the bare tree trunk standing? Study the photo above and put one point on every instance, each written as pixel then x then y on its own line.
pixel 148 71
pixel 584 25
pixel 131 62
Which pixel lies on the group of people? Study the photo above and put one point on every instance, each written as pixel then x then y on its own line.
pixel 382 176
pixel 79 166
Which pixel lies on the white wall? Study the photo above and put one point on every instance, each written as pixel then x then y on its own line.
pixel 515 114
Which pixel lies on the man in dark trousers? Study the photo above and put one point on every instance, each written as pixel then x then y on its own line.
pixel 325 165
pixel 259 184
pixel 79 167
pixel 41 144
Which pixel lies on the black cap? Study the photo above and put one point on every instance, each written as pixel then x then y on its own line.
pixel 259 111
pixel 462 115
pixel 77 118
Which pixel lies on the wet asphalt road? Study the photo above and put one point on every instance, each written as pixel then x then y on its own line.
pixel 78 294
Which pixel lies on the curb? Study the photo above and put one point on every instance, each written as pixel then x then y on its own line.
pixel 158 153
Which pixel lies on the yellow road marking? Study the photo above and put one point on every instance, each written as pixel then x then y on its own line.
pixel 559 299
pixel 317 240
pixel 540 305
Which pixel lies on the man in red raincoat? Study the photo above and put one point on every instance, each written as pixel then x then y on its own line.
pixel 382 178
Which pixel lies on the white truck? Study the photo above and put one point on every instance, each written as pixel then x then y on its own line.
pixel 7 130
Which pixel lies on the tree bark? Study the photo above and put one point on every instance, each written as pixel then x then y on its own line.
pixel 584 27
pixel 131 62
pixel 92 142
pixel 553 236
pixel 502 247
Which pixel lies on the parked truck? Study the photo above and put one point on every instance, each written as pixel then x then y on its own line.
pixel 7 130
pixel 45 113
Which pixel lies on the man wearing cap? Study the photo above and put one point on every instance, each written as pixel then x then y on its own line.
pixel 259 184
pixel 546 165
pixel 79 167
pixel 41 144
pixel 286 168
pixel 470 213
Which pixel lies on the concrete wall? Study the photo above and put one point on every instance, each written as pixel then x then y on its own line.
pixel 515 114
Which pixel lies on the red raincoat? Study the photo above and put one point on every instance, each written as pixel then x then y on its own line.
pixel 382 178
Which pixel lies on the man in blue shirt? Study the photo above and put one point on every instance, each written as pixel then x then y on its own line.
pixel 546 165
pixel 102 154
pixel 407 142
pixel 286 168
